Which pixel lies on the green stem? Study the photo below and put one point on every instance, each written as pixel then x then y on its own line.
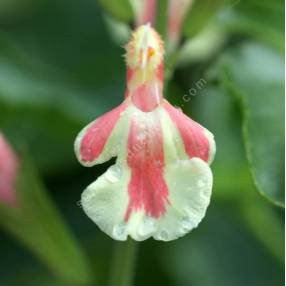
pixel 123 263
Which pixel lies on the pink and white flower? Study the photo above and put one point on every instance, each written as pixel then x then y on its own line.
pixel 160 185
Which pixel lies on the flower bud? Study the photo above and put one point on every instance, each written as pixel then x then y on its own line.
pixel 145 11
pixel 8 172
pixel 177 12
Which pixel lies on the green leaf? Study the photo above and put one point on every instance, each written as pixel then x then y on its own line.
pixel 259 19
pixel 120 9
pixel 199 15
pixel 37 224
pixel 262 221
pixel 255 75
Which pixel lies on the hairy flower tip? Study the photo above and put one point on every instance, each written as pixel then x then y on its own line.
pixel 8 172
pixel 161 183
pixel 145 49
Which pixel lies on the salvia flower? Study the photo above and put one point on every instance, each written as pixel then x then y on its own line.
pixel 8 173
pixel 161 183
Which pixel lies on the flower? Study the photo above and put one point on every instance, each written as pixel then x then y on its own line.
pixel 8 172
pixel 160 185
pixel 144 10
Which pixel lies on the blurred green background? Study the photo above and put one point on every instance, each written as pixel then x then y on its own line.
pixel 61 66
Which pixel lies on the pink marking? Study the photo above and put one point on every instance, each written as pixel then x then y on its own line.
pixel 8 173
pixel 130 73
pixel 147 188
pixel 97 134
pixel 195 141
pixel 129 76
pixel 147 96
pixel 160 72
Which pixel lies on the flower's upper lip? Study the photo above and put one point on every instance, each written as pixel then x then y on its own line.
pixel 145 45
pixel 145 49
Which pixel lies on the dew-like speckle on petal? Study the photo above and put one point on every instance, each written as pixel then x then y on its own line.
pixel 163 235
pixel 119 231
pixel 158 164
pixel 187 224
pixel 113 174
pixel 141 136
pixel 93 130
pixel 147 227
pixel 201 183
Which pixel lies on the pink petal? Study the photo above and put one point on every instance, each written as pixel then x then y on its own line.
pixel 93 140
pixel 195 140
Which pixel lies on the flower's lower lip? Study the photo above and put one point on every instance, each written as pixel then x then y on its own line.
pixel 161 172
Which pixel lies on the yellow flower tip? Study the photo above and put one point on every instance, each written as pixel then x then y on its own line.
pixel 145 50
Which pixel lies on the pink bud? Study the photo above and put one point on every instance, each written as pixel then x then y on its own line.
pixel 145 11
pixel 8 172
pixel 177 12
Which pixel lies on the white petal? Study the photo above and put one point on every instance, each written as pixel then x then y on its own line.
pixel 190 187
pixel 105 201
pixel 190 182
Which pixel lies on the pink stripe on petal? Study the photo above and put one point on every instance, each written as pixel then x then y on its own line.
pixel 96 136
pixel 195 141
pixel 147 188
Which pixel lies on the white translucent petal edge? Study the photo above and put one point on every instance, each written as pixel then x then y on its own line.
pixel 190 183
pixel 212 145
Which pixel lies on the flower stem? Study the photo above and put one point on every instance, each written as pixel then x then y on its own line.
pixel 123 263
